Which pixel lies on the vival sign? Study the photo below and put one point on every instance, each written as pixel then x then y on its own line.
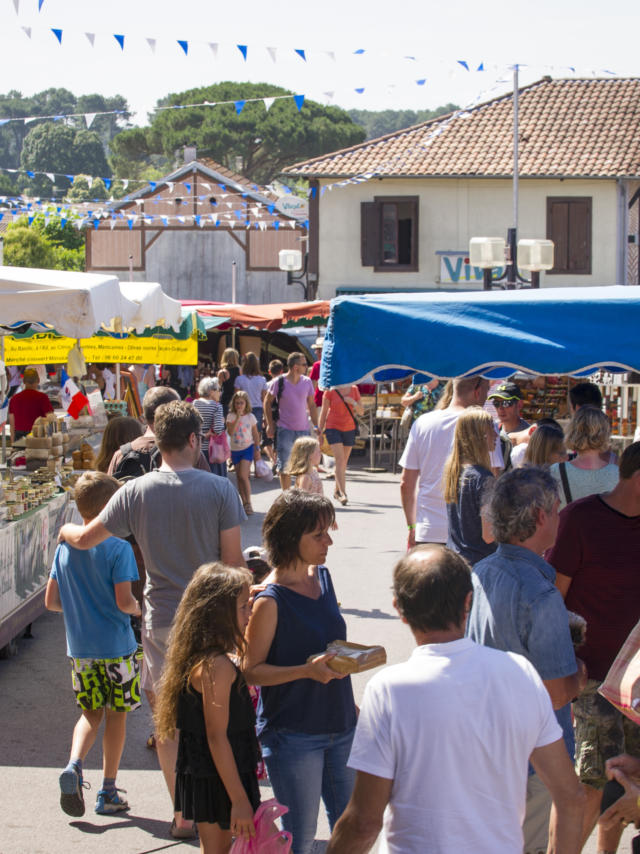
pixel 455 269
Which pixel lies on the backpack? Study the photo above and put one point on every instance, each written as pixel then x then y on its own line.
pixel 275 406
pixel 136 463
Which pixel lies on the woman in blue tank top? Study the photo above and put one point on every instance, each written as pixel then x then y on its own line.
pixel 306 713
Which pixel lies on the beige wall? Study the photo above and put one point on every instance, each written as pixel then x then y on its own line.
pixel 451 212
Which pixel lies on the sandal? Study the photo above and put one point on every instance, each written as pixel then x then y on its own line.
pixel 340 496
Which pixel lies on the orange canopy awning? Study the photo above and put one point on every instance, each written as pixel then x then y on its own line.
pixel 270 316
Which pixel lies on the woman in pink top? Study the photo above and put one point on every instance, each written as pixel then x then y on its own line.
pixel 338 423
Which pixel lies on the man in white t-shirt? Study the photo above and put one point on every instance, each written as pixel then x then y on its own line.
pixel 443 740
pixel 425 454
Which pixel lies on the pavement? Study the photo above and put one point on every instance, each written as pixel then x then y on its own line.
pixel 38 713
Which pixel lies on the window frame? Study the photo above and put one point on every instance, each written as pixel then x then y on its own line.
pixel 378 202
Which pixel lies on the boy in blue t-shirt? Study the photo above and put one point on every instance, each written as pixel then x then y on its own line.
pixel 93 590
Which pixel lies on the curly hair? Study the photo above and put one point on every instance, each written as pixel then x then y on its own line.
pixel 205 625
pixel 469 448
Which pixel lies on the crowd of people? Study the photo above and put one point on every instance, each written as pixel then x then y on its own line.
pixel 465 746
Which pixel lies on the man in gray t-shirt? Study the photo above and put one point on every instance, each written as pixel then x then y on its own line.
pixel 181 518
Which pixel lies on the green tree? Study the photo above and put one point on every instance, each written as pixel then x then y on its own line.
pixel 259 143
pixel 380 122
pixel 44 243
pixel 27 247
pixel 57 148
pixel 82 192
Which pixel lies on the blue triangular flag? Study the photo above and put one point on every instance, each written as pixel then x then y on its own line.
pixel 63 222
pixel 422 81
pixel 31 218
pixel 57 34
pixel 152 184
pixel 271 208
pixel 40 4
pixel 239 105
pixel 69 178
pixel 107 183
pixel 243 50
pixel 184 45
pixel 130 221
pixel 360 91
pixel 480 67
pixel 164 219
pixel 197 219
pixel 463 64
pixel 187 187
pixel 120 40
pixel 31 174
pixel 96 223
pixel 4 121
pixel 359 51
pixel 276 224
pixel 300 53
pixel 299 101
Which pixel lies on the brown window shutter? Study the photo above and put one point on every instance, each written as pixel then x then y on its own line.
pixel 558 231
pixel 580 236
pixel 370 234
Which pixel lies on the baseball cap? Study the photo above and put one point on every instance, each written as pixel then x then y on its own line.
pixel 506 391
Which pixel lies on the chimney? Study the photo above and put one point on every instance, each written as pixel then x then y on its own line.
pixel 190 153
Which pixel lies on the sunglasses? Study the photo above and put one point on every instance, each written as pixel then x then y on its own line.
pixel 504 404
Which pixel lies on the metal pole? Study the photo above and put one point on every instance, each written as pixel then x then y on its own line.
pixel 4 426
pixel 512 271
pixel 234 288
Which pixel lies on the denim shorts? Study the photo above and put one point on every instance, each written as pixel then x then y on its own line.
pixel 341 437
pixel 284 442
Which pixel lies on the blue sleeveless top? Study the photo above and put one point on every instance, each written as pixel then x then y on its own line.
pixel 305 627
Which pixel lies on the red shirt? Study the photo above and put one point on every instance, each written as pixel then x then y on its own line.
pixel 314 376
pixel 28 405
pixel 599 549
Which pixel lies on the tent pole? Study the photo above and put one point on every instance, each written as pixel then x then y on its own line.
pixel 234 288
pixel 4 426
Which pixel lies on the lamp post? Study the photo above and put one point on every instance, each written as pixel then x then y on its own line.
pixel 290 261
pixel 533 255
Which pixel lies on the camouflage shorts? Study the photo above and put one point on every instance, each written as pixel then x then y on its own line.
pixel 111 683
pixel 602 732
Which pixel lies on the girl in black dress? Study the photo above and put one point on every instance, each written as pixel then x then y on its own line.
pixel 204 696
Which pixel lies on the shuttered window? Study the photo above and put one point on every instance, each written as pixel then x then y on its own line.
pixel 569 226
pixel 389 233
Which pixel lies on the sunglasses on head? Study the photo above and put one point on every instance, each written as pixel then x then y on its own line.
pixel 504 404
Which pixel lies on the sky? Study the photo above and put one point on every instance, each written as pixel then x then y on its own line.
pixel 398 44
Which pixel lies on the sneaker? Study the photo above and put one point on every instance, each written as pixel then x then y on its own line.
pixel 109 802
pixel 71 797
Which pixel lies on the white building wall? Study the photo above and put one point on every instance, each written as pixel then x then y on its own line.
pixel 451 211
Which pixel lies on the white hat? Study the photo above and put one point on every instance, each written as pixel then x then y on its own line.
pixel 318 344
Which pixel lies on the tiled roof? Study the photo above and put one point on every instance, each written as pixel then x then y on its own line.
pixel 567 128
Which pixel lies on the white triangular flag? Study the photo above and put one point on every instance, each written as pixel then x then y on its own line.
pixel 91 37
pixel 233 223
pixel 28 119
pixel 206 186
pixel 214 218
pixel 27 31
pixel 331 54
pixel 268 103
pixel 152 45
pixel 89 117
pixel 170 185
pixel 125 183
pixel 263 225
pixel 329 95
pixel 139 202
pixel 16 6
pixel 180 219
pixel 214 48
pixel 51 177
pixel 292 223
pixel 112 224
pixel 272 51
pixel 89 181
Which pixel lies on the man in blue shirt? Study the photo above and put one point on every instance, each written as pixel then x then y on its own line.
pixel 517 608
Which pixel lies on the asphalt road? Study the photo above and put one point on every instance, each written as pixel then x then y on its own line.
pixel 37 710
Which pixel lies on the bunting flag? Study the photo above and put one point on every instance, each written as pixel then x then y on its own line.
pixel 243 50
pixel 184 45
pixel 57 33
pixel 120 40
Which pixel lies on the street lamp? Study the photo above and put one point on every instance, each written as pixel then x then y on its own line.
pixel 532 255
pixel 290 260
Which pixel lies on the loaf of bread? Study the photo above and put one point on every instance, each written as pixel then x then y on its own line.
pixel 353 657
pixel 37 442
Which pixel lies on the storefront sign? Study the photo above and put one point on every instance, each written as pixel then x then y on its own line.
pixel 52 349
pixel 455 269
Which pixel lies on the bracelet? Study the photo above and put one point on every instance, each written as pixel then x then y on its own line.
pixel 411 527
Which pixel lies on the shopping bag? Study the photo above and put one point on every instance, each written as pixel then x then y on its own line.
pixel 621 686
pixel 264 470
pixel 219 448
pixel 268 839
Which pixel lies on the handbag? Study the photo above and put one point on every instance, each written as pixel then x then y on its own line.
pixel 219 451
pixel 621 686
pixel 264 470
pixel 268 839
pixel 355 423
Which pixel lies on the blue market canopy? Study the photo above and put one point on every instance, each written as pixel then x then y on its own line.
pixel 495 333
